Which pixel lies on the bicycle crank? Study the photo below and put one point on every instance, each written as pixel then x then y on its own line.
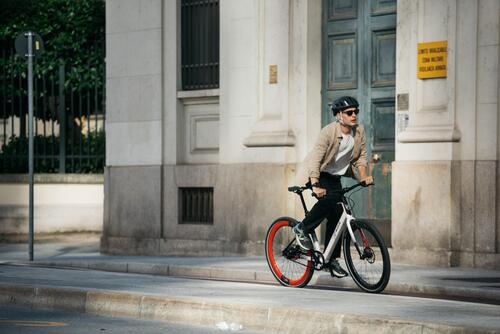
pixel 292 253
pixel 318 260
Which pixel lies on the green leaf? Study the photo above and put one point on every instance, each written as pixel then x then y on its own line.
pixel 77 40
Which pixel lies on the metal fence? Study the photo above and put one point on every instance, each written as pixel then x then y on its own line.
pixel 200 44
pixel 68 125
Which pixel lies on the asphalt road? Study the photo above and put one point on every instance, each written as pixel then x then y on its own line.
pixel 422 310
pixel 17 320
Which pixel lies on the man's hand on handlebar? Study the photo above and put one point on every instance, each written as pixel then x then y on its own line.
pixel 367 181
pixel 319 192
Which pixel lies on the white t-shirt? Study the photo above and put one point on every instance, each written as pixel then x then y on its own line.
pixel 342 159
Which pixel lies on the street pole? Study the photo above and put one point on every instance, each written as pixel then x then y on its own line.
pixel 30 56
pixel 24 48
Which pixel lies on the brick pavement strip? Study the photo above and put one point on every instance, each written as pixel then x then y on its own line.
pixel 270 319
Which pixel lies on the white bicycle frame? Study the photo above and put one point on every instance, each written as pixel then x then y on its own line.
pixel 344 221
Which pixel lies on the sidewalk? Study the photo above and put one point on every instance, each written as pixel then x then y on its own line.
pixel 467 284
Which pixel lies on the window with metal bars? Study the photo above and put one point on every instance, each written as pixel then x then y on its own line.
pixel 196 205
pixel 200 44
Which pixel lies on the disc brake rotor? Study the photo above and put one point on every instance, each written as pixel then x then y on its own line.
pixel 369 255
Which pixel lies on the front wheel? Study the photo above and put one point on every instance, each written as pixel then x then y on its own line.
pixel 367 257
pixel 289 263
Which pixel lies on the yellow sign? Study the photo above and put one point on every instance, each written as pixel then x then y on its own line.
pixel 432 60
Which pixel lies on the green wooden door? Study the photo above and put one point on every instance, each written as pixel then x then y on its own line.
pixel 359 59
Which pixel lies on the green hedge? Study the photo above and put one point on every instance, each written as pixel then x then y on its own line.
pixel 84 154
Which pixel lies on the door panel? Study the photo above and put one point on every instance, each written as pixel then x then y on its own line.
pixel 342 9
pixel 383 67
pixel 380 7
pixel 383 121
pixel 359 59
pixel 342 68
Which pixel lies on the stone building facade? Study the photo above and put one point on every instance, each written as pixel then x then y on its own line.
pixel 245 140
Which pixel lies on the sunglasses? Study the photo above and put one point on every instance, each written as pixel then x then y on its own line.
pixel 350 112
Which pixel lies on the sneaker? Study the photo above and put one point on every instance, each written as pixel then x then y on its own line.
pixel 302 238
pixel 336 270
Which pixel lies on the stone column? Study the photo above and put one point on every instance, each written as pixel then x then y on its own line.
pixel 444 196
pixel 132 221
pixel 271 128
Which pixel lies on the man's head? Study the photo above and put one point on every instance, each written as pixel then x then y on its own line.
pixel 345 109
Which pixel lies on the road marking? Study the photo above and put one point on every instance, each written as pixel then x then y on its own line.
pixel 29 323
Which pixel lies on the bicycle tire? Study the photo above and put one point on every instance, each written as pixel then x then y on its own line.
pixel 292 272
pixel 364 271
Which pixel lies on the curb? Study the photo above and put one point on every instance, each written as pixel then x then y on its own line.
pixel 213 273
pixel 208 313
pixel 239 275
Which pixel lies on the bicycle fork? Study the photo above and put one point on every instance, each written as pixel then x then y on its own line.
pixel 366 245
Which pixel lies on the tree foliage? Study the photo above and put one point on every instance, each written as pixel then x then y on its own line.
pixel 72 30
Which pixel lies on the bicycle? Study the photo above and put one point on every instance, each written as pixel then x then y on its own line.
pixel 365 253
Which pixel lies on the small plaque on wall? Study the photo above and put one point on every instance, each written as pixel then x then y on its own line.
pixel 402 102
pixel 273 74
pixel 432 60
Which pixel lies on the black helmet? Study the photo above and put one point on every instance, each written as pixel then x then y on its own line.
pixel 342 103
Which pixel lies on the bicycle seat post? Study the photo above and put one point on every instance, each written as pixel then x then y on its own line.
pixel 303 203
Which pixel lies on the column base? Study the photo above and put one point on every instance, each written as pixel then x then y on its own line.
pixel 179 247
pixel 445 258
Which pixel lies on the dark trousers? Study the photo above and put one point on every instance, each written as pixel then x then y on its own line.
pixel 326 207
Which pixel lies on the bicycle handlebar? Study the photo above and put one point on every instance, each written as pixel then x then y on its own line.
pixel 298 190
pixel 359 184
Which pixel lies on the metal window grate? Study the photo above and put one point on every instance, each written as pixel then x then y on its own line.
pixel 196 205
pixel 200 44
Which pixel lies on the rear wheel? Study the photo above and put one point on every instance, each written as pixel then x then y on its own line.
pixel 369 263
pixel 289 263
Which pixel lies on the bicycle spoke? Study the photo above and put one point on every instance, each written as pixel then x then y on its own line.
pixel 291 264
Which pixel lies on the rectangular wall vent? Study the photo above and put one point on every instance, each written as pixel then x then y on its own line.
pixel 196 205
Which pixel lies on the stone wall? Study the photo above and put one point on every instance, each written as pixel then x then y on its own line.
pixel 445 202
pixel 242 139
pixel 247 199
pixel 62 204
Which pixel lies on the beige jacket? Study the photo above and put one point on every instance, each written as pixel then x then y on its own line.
pixel 326 147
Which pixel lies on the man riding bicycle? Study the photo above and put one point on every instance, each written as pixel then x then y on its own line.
pixel 339 151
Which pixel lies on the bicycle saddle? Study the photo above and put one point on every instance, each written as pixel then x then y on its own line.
pixel 294 189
